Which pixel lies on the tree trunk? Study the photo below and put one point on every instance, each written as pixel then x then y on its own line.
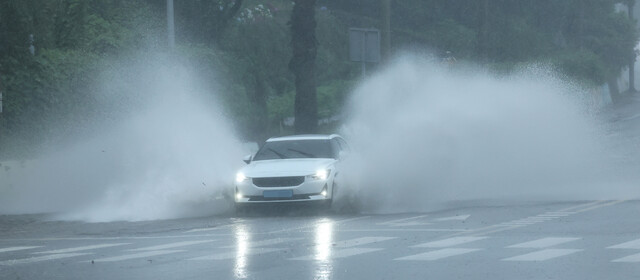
pixel 632 62
pixel 258 99
pixel 484 32
pixel 302 64
pixel 386 28
pixel 614 91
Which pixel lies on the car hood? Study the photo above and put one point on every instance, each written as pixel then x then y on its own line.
pixel 285 167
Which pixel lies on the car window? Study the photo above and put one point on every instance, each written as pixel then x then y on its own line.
pixel 295 149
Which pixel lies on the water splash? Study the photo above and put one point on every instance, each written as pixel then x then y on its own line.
pixel 161 148
pixel 428 135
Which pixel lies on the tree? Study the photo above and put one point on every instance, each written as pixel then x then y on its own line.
pixel 302 64
pixel 632 87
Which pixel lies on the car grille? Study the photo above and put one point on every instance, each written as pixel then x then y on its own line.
pixel 271 182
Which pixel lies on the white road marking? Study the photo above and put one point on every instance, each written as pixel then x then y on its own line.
pixel 11 249
pixel 453 241
pixel 208 229
pixel 234 254
pixel 70 250
pixel 543 255
pixel 171 245
pixel 313 225
pixel 633 258
pixel 406 229
pixel 338 254
pixel 635 244
pixel 544 242
pixel 438 254
pixel 403 222
pixel 600 205
pixel 361 241
pixel 454 218
pixel 41 258
pixel 268 242
pixel 137 255
pixel 588 204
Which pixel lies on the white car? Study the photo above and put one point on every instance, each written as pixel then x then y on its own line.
pixel 298 168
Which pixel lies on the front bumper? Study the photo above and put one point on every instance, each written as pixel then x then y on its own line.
pixel 309 190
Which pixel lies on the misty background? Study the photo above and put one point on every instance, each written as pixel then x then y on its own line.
pixel 102 120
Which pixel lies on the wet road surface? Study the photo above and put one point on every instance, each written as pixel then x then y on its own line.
pixel 576 240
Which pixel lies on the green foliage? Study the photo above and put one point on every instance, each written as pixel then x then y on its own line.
pixel 245 47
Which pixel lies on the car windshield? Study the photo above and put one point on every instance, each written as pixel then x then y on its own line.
pixel 295 149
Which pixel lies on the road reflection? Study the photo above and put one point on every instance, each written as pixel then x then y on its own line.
pixel 324 245
pixel 243 239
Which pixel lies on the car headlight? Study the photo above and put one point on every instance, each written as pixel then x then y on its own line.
pixel 240 177
pixel 321 174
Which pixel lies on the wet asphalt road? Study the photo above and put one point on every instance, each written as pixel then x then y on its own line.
pixel 576 240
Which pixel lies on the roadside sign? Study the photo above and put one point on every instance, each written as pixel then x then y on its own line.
pixel 364 44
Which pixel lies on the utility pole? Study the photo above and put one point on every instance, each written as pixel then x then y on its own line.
pixel 386 28
pixel 170 25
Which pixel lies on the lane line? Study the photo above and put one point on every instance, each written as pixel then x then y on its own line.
pixel 41 258
pixel 453 241
pixel 11 249
pixel 339 254
pixel 267 242
pixel 362 241
pixel 544 242
pixel 502 227
pixel 70 250
pixel 137 255
pixel 454 218
pixel 543 255
pixel 316 224
pixel 600 206
pixel 580 206
pixel 235 254
pixel 438 254
pixel 630 259
pixel 208 228
pixel 634 244
pixel 407 229
pixel 170 245
pixel 402 220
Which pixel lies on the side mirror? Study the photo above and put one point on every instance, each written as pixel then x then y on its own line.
pixel 247 159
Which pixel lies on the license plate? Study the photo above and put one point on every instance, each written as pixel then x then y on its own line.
pixel 278 194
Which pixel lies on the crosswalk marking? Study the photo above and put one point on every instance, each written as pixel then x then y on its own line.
pixel 544 242
pixel 171 245
pixel 438 254
pixel 138 255
pixel 405 222
pixel 83 248
pixel 633 258
pixel 543 255
pixel 267 242
pixel 361 241
pixel 453 241
pixel 338 254
pixel 345 248
pixel 234 254
pixel 11 249
pixel 635 244
pixel 41 258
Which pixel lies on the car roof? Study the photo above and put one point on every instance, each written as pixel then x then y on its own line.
pixel 304 137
